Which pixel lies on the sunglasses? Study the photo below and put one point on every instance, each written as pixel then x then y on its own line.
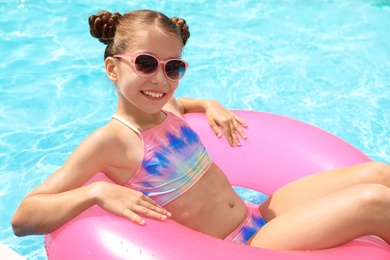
pixel 145 65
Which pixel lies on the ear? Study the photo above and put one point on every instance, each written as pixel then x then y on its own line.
pixel 111 69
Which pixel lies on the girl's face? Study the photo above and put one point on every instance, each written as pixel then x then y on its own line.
pixel 146 94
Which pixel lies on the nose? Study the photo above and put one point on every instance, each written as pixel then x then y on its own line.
pixel 159 76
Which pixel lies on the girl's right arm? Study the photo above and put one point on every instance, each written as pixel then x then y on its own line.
pixel 62 197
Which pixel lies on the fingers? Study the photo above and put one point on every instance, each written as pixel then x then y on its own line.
pixel 153 210
pixel 215 127
pixel 134 217
pixel 230 134
pixel 148 208
pixel 232 129
pixel 222 118
pixel 240 121
pixel 237 127
pixel 132 204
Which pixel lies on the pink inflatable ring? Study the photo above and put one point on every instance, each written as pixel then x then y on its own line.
pixel 277 151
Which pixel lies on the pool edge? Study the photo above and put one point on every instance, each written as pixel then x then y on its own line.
pixel 9 254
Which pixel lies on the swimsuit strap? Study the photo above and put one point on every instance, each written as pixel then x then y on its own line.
pixel 125 122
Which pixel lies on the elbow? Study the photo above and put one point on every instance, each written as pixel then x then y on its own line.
pixel 22 221
pixel 17 226
pixel 20 226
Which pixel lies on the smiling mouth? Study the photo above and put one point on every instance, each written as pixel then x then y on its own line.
pixel 153 94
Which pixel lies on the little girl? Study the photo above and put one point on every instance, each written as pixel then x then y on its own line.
pixel 161 169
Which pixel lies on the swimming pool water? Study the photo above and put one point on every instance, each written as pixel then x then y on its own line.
pixel 324 62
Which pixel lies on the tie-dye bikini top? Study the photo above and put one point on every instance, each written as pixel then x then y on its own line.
pixel 174 159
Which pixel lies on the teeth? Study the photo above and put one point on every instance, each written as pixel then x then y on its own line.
pixel 153 94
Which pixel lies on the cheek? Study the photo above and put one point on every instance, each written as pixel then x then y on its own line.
pixel 127 77
pixel 174 85
pixel 172 88
pixel 128 85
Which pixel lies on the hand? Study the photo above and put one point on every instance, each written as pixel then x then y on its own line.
pixel 231 124
pixel 129 203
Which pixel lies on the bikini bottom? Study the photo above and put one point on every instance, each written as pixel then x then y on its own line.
pixel 251 224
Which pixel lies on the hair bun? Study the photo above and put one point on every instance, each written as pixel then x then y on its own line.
pixel 181 24
pixel 103 26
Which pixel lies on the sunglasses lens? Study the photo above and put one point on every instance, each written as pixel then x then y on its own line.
pixel 175 69
pixel 146 64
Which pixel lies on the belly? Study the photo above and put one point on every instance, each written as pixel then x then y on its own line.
pixel 211 206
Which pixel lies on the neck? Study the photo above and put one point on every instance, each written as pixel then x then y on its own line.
pixel 142 120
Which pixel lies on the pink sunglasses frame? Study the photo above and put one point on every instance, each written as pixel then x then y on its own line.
pixel 164 62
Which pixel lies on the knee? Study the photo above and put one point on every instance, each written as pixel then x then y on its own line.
pixel 373 197
pixel 376 172
pixel 381 167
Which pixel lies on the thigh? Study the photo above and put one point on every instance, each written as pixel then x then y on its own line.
pixel 329 221
pixel 315 186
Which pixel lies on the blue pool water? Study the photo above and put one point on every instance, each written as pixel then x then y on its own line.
pixel 324 62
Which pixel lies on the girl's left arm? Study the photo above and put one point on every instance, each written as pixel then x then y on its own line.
pixel 220 119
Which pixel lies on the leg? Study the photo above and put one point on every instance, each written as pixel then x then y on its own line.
pixel 330 221
pixel 318 185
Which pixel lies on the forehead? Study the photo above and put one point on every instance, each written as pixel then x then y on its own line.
pixel 161 44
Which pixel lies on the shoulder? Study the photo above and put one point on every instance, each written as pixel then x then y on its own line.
pixel 122 149
pixel 104 150
pixel 95 150
pixel 90 157
pixel 111 149
pixel 105 146
pixel 102 138
pixel 113 138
